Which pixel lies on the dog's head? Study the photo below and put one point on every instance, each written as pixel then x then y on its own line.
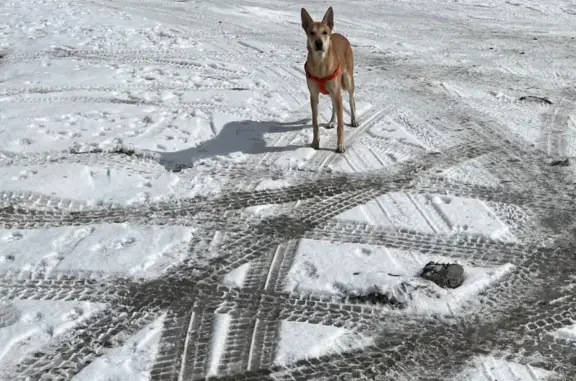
pixel 318 33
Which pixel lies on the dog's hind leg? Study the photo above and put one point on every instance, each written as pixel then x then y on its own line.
pixel 332 121
pixel 348 84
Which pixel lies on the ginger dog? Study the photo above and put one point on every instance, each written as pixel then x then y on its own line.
pixel 329 69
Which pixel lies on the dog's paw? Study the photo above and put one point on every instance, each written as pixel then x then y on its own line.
pixel 315 145
pixel 340 149
pixel 354 123
pixel 330 125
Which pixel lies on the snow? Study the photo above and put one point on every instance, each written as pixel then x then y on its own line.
pixel 120 249
pixel 236 277
pixel 218 342
pixel 488 368
pixel 431 214
pixel 300 341
pixel 39 323
pixel 211 84
pixel 567 333
pixel 352 269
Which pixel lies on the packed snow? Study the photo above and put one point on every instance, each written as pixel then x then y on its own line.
pixel 211 84
pixel 489 368
pixel 301 341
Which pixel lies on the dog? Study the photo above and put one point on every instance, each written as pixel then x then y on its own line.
pixel 329 69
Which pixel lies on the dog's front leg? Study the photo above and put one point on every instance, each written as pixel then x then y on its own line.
pixel 315 130
pixel 340 119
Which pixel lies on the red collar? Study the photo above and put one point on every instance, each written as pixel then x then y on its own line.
pixel 322 81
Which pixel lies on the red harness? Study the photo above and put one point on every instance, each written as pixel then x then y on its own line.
pixel 322 81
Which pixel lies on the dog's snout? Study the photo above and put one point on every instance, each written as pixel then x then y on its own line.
pixel 318 44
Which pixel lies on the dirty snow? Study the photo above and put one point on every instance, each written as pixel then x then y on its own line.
pixel 351 269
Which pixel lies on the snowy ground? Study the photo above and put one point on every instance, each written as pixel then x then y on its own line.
pixel 163 216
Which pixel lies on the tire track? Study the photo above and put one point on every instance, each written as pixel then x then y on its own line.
pixel 172 346
pixel 90 339
pixel 13 91
pixel 197 353
pixel 311 215
pixel 246 343
pixel 38 201
pixel 264 344
pixel 554 138
pixel 326 156
pixel 83 288
pixel 208 106
pixel 472 248
pixel 538 200
pixel 359 189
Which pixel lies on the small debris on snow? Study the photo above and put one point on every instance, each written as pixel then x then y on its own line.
pixel 376 297
pixel 373 295
pixel 443 274
pixel 560 163
pixel 532 98
pixel 5 258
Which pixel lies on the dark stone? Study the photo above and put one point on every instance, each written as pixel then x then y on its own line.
pixel 560 163
pixel 445 275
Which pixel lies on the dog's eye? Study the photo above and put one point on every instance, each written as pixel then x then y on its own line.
pixel 324 32
pixel 312 33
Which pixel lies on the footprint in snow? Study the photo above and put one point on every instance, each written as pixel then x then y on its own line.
pixel 124 242
pixel 309 270
pixel 24 142
pixel 12 236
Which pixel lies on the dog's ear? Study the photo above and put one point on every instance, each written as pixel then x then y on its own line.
pixel 329 18
pixel 306 19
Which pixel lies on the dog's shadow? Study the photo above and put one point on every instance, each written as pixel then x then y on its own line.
pixel 245 136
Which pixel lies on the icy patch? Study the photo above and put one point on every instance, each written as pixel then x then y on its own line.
pixel 352 269
pixel 236 277
pixel 40 323
pixel 131 362
pixel 303 341
pixel 488 368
